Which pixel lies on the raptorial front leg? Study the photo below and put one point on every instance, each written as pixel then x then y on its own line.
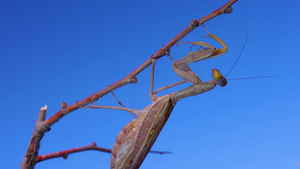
pixel 181 67
pixel 218 51
pixel 202 87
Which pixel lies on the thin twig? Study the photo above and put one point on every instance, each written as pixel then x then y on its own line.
pixel 64 154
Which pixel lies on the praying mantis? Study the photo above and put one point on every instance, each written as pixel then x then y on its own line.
pixel 135 140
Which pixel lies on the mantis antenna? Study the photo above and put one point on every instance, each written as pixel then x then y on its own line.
pixel 239 54
pixel 238 60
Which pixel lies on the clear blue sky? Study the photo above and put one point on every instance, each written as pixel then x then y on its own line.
pixel 54 51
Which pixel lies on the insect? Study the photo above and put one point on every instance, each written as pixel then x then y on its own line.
pixel 135 140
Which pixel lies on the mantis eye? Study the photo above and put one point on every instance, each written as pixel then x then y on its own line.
pixel 216 74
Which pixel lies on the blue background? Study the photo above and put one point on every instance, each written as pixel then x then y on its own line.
pixel 54 51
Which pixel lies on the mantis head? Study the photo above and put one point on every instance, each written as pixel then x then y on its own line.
pixel 219 78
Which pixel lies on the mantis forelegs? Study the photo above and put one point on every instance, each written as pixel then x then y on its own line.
pixel 181 67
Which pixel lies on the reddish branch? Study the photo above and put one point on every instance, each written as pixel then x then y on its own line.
pixel 43 125
pixel 64 154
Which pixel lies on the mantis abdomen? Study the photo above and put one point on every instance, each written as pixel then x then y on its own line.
pixel 135 140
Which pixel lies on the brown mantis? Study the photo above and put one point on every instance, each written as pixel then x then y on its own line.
pixel 135 140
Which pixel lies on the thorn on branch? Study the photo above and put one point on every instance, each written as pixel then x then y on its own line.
pixel 133 80
pixel 65 156
pixel 228 10
pixel 93 144
pixel 194 24
pixel 63 105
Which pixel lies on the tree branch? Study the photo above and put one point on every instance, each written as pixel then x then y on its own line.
pixel 64 154
pixel 42 126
